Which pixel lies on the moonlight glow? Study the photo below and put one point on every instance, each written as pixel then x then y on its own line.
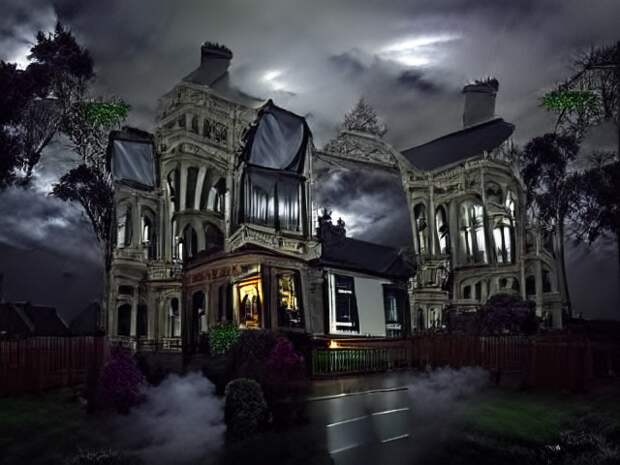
pixel 417 51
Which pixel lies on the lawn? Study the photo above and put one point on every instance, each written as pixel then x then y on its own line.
pixel 536 417
pixel 46 428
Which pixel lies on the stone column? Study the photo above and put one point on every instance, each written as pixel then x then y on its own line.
pixel 228 197
pixel 134 312
pixel 431 219
pixel 183 189
pixel 202 172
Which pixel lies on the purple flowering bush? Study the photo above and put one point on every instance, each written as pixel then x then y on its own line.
pixel 121 382
pixel 505 313
pixel 284 364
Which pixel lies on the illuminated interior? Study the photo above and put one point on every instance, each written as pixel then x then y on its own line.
pixel 289 307
pixel 250 301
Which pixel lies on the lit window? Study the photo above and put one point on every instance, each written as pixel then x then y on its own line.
pixel 250 302
pixel 443 234
pixel 421 226
pixel 393 302
pixel 290 313
pixel 346 306
pixel 473 243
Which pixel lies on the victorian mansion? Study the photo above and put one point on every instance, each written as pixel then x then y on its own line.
pixel 213 223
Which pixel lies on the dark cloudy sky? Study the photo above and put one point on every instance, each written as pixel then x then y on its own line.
pixel 409 59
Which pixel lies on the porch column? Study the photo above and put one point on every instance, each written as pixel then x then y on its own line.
pixel 183 186
pixel 202 172
pixel 134 313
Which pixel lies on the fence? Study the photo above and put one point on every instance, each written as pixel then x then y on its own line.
pixel 563 363
pixel 39 363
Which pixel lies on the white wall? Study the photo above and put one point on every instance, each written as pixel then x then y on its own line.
pixel 370 306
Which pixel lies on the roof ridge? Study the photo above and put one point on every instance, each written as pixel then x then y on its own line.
pixel 462 130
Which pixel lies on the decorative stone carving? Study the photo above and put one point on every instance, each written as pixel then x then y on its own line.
pixel 359 147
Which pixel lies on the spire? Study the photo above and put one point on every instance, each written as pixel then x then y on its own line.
pixel 363 118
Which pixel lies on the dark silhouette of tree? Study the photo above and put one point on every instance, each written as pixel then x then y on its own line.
pixel 597 212
pixel 552 190
pixel 35 102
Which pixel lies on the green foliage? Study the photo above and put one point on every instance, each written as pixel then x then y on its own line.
pixel 245 408
pixel 107 114
pixel 570 100
pixel 222 338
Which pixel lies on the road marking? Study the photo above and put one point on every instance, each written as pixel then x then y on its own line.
pixel 395 438
pixel 361 393
pixel 342 449
pixel 350 420
pixel 387 412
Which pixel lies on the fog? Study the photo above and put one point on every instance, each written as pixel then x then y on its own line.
pixel 182 421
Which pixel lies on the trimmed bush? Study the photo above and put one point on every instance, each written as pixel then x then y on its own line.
pixel 102 457
pixel 121 382
pixel 245 408
pixel 222 337
pixel 249 355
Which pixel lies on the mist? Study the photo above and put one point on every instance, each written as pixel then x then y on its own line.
pixel 182 421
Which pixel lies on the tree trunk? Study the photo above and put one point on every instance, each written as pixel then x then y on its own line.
pixel 566 302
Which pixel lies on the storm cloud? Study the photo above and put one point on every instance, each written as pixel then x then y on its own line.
pixel 409 59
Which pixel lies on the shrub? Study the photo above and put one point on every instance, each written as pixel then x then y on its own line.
pixel 121 382
pixel 245 408
pixel 507 313
pixel 222 337
pixel 102 457
pixel 284 364
pixel 254 343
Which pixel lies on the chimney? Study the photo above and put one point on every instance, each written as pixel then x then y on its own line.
pixel 479 101
pixel 214 53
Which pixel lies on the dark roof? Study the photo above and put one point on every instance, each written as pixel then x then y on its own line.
pixel 25 319
pixel 12 322
pixel 45 320
pixel 355 254
pixel 277 140
pixel 460 145
pixel 131 153
pixel 86 323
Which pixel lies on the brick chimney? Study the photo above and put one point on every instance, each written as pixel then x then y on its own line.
pixel 209 52
pixel 479 101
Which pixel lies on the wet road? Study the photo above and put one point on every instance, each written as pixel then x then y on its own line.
pixel 371 427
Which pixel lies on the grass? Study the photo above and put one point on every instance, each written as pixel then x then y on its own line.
pixel 536 418
pixel 44 429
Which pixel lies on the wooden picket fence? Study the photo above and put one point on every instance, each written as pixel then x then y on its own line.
pixel 553 362
pixel 39 363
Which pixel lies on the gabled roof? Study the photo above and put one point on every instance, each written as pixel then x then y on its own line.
pixel 460 145
pixel 24 319
pixel 355 254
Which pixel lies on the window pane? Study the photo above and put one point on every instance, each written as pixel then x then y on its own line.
pixel 290 312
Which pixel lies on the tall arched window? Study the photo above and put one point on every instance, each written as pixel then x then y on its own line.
pixel 190 191
pixel 214 239
pixel 173 189
pixel 199 311
pixel 189 242
pixel 124 320
pixel 149 236
pixel 421 225
pixel 215 199
pixel 174 318
pixel 195 124
pixel 124 227
pixel 503 232
pixel 443 233
pixel 503 236
pixel 472 237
